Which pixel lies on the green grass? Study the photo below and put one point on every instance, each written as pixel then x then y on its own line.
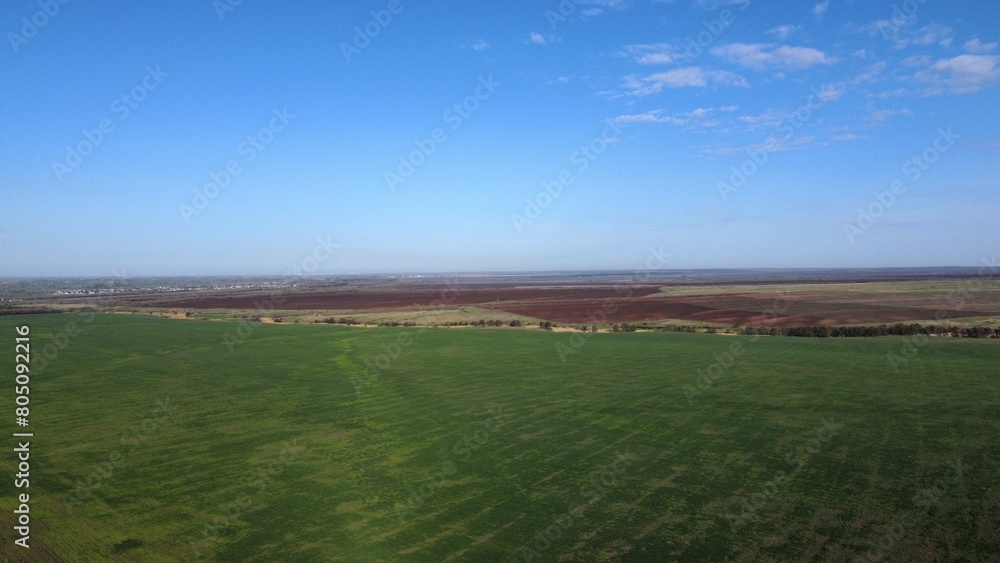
pixel 616 408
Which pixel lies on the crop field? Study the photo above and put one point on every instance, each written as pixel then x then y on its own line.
pixel 971 301
pixel 167 440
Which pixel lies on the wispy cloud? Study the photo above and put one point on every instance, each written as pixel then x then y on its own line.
pixel 610 4
pixel 716 4
pixel 963 74
pixel 819 10
pixel 652 53
pixel 700 117
pixel 763 55
pixel 847 137
pixel 773 144
pixel 977 47
pixel 688 77
pixel 535 38
pixel 784 31
pixel 598 7
pixel 871 74
pixel 769 119
pixel 897 93
pixel 882 115
pixel 907 34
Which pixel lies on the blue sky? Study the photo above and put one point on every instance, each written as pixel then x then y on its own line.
pixel 198 137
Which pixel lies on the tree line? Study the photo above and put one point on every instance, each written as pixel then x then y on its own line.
pixel 898 329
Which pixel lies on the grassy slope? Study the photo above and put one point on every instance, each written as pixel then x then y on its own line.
pixel 620 394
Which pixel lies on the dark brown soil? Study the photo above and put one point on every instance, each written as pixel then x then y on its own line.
pixel 606 304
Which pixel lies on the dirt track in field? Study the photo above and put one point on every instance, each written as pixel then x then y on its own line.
pixel 594 304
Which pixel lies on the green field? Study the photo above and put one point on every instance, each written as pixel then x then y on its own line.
pixel 484 445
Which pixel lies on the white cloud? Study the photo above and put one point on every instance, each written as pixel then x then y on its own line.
pixel 783 31
pixel 699 117
pixel 916 61
pixel 773 144
pixel 652 53
pixel 820 9
pixel 716 4
pixel 770 119
pixel 687 77
pixel 830 92
pixel 599 6
pixel 774 118
pixel 871 74
pixel 610 4
pixel 977 47
pixel 931 34
pixel 905 36
pixel 648 117
pixel 535 38
pixel 961 75
pixel 892 94
pixel 881 115
pixel 480 45
pixel 760 55
pixel 655 59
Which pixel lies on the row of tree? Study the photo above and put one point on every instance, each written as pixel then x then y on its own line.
pixel 341 320
pixel 7 310
pixel 898 329
pixel 482 322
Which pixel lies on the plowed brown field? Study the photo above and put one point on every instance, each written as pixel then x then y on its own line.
pixel 606 304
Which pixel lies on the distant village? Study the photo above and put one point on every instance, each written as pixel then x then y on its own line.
pixel 165 288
